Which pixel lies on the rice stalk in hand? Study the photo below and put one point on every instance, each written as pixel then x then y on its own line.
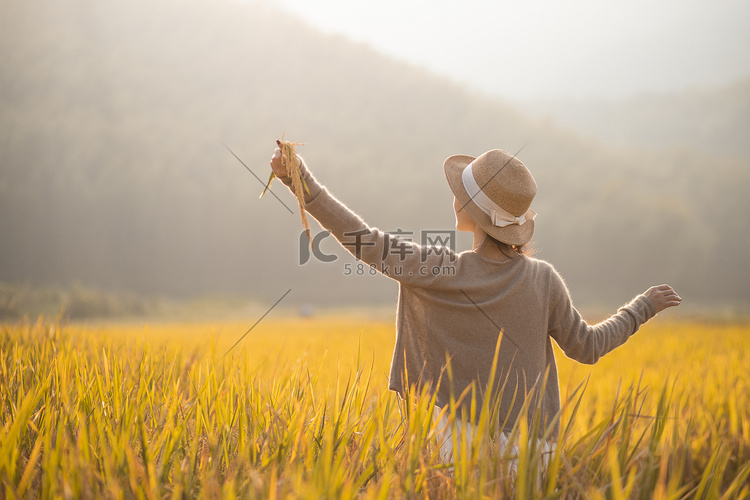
pixel 290 160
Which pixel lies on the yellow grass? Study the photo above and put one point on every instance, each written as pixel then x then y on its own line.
pixel 301 408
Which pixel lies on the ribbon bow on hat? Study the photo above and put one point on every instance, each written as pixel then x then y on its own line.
pixel 499 216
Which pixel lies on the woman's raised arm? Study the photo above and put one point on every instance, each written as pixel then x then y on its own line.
pixel 397 258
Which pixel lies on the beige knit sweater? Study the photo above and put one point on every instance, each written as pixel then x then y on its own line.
pixel 457 307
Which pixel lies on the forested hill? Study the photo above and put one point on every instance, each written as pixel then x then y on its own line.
pixel 113 172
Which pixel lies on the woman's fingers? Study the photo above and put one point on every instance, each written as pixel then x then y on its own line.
pixel 672 299
pixel 276 165
pixel 276 155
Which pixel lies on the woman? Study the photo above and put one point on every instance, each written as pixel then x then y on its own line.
pixel 457 307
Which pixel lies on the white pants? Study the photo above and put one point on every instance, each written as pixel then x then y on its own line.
pixel 467 429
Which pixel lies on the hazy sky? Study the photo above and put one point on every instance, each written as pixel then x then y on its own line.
pixel 530 49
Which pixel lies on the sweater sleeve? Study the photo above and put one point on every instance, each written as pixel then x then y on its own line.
pixel 587 343
pixel 392 256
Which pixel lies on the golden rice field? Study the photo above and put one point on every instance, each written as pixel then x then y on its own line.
pixel 300 409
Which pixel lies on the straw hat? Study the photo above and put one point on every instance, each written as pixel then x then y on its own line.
pixel 496 189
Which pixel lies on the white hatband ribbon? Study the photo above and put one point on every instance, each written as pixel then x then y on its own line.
pixel 498 215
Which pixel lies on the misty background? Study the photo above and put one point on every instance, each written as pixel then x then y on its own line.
pixel 115 182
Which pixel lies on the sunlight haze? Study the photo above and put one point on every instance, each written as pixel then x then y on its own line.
pixel 539 49
pixel 116 184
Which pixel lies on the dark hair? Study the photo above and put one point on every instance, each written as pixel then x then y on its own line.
pixel 508 249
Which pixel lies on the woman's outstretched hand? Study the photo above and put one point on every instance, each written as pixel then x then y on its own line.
pixel 662 296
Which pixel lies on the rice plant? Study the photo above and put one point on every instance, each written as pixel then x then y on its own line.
pixel 301 409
